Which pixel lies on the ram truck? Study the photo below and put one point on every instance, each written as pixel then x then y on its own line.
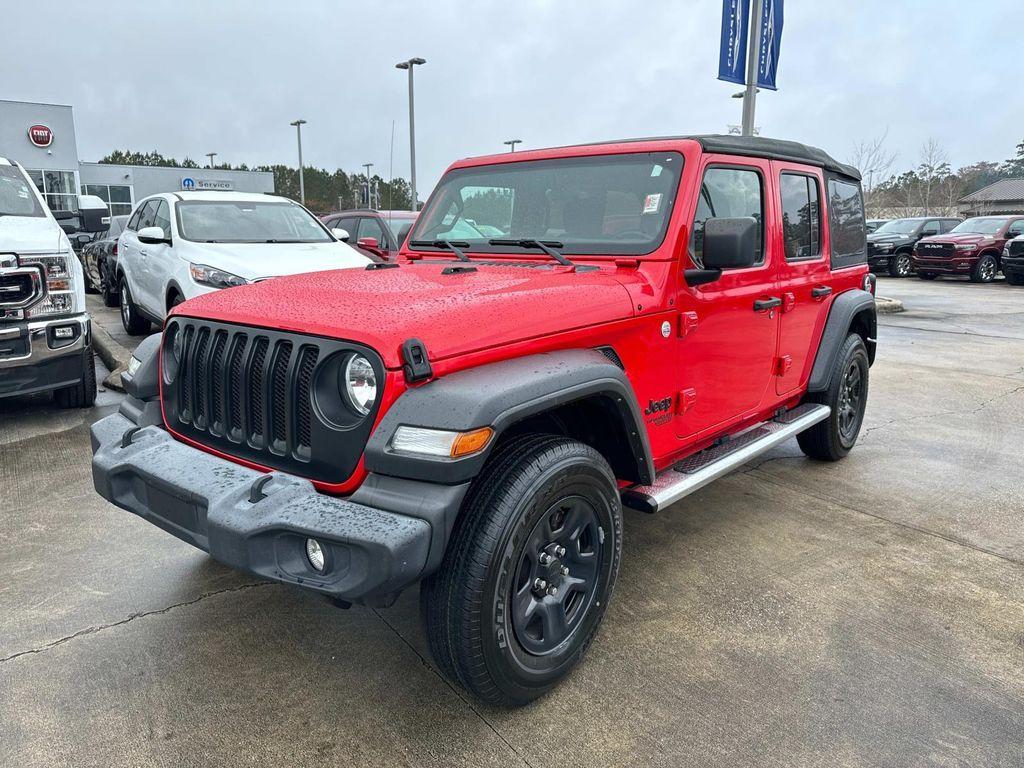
pixel 640 318
pixel 972 248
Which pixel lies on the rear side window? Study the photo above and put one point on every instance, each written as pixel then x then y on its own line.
pixel 728 193
pixel 930 228
pixel 801 216
pixel 846 223
pixel 948 224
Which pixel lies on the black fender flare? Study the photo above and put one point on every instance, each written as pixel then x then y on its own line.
pixel 172 288
pixel 846 307
pixel 500 395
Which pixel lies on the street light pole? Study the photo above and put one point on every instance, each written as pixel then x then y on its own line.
pixel 412 124
pixel 302 182
pixel 369 189
pixel 211 155
pixel 511 143
pixel 753 51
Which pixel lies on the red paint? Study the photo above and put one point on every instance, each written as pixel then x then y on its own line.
pixel 720 363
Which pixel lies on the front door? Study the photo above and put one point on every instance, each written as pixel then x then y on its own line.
pixel 804 271
pixel 728 328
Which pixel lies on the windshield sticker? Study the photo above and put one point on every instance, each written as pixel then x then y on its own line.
pixel 656 171
pixel 652 203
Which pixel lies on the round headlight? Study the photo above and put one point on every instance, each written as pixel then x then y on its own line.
pixel 360 384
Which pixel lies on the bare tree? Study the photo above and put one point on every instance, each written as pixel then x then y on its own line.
pixel 873 161
pixel 934 168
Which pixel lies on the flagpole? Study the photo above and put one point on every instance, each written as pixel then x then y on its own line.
pixel 753 53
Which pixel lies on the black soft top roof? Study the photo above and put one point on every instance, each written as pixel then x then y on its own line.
pixel 756 146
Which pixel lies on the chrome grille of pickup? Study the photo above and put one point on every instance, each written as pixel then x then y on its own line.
pixel 251 393
pixel 936 250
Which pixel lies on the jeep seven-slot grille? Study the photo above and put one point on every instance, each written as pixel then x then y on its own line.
pixel 250 393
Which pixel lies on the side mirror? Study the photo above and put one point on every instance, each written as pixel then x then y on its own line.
pixel 84 239
pixel 341 234
pixel 153 236
pixel 93 214
pixel 368 242
pixel 64 215
pixel 730 243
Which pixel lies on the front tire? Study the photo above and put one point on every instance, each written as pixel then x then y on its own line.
pixel 847 396
pixel 83 394
pixel 529 571
pixel 900 265
pixel 134 323
pixel 984 271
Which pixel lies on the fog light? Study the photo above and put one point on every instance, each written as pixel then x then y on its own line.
pixel 64 332
pixel 315 553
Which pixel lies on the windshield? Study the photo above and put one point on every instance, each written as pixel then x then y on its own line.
pixel 899 227
pixel 232 221
pixel 605 204
pixel 981 225
pixel 16 196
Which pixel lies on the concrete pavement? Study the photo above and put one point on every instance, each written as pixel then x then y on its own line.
pixel 869 612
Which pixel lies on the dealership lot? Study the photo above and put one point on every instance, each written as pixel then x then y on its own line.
pixel 792 614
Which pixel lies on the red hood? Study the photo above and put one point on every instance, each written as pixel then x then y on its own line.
pixel 966 237
pixel 452 314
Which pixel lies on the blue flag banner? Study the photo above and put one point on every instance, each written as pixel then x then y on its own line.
pixel 771 37
pixel 732 53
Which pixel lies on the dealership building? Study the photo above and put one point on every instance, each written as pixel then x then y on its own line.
pixel 42 138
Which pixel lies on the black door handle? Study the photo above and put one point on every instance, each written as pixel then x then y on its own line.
pixel 821 291
pixel 762 305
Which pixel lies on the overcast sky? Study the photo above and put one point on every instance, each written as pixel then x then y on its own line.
pixel 189 77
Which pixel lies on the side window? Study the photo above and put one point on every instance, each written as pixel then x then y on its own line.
pixel 1017 228
pixel 370 227
pixel 148 213
pixel 801 216
pixel 162 218
pixel 133 222
pixel 846 223
pixel 947 224
pixel 349 225
pixel 930 228
pixel 728 193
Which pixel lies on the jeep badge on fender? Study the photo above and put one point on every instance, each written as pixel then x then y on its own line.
pixel 471 419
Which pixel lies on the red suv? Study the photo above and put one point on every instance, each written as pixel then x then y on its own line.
pixel 973 247
pixel 381 233
pixel 566 332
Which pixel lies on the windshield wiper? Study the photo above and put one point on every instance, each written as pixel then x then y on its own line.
pixel 548 246
pixel 455 246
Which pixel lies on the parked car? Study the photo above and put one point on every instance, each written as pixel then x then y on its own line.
pixel 45 339
pixel 380 233
pixel 972 248
pixel 1013 261
pixel 891 246
pixel 99 261
pixel 180 245
pixel 474 415
pixel 872 224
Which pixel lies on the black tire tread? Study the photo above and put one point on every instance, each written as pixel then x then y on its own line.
pixel 83 394
pixel 821 441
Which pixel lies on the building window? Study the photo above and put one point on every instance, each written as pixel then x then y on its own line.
pixel 57 188
pixel 117 196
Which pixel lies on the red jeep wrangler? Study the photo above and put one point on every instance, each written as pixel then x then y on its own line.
pixel 651 315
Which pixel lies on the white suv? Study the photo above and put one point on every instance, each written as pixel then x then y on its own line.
pixel 179 245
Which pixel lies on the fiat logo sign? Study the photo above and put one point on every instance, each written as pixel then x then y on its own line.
pixel 40 135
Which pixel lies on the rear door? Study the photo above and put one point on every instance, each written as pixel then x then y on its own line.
pixel 727 342
pixel 159 262
pixel 803 270
pixel 129 253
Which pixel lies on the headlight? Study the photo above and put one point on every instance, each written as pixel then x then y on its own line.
pixel 133 365
pixel 360 384
pixel 61 294
pixel 966 247
pixel 884 246
pixel 215 278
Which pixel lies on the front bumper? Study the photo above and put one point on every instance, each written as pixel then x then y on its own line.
pixel 1013 265
pixel 257 521
pixel 955 265
pixel 33 359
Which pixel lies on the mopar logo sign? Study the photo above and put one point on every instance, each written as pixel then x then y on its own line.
pixel 190 184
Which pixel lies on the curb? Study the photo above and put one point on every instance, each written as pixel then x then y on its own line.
pixel 113 355
pixel 886 306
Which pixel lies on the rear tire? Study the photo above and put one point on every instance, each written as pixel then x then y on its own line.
pixel 984 271
pixel 900 265
pixel 134 323
pixel 491 625
pixel 108 286
pixel 847 396
pixel 83 394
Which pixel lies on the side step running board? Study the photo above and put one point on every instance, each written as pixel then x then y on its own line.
pixel 696 471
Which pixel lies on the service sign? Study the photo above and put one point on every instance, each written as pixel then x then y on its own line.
pixel 191 184
pixel 40 135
